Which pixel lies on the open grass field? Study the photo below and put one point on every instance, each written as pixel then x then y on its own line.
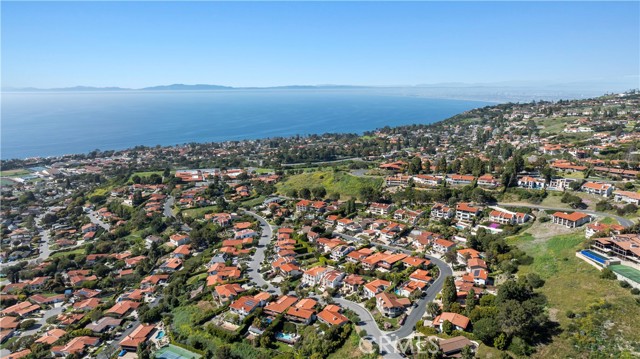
pixel 555 125
pixel 199 212
pixel 350 348
pixel 14 173
pixel 346 185
pixel 254 201
pixel 149 173
pixel 75 251
pixel 574 286
pixel 100 192
pixel 197 277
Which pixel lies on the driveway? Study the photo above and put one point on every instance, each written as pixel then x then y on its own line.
pixel 93 217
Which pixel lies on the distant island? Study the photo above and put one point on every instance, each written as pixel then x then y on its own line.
pixel 174 87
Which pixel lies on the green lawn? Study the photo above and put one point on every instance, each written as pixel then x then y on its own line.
pixel 555 125
pixel 253 202
pixel 100 192
pixel 200 212
pixel 14 173
pixel 573 285
pixel 75 251
pixel 149 173
pixel 346 185
pixel 197 277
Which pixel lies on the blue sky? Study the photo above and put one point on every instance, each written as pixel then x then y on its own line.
pixel 137 44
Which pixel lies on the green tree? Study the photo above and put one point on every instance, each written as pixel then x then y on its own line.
pixel 486 330
pixel 449 293
pixel 319 192
pixel 447 327
pixel 470 301
pixel 500 342
pixel 304 193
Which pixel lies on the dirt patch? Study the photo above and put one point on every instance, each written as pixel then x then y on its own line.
pixel 205 305
pixel 541 231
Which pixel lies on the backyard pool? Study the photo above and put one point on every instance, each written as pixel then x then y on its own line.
pixel 160 334
pixel 594 256
pixel 287 337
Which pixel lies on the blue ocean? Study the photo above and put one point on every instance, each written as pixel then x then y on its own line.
pixel 48 124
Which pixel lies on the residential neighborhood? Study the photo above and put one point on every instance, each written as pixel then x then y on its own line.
pixel 157 251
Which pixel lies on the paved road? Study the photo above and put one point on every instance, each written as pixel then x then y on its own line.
pixel 53 312
pixel 168 204
pixel 623 221
pixel 44 250
pixel 384 339
pixel 416 313
pixel 93 217
pixel 258 257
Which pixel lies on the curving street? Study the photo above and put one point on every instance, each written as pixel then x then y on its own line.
pixel 93 217
pixel 386 340
pixel 258 257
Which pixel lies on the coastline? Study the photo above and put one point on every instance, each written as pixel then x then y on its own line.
pixel 77 125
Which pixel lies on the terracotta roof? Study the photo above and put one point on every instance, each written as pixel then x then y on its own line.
pixel 245 304
pixel 573 217
pixel 229 290
pixel 458 320
pixel 138 335
pixel 377 284
pixel 421 275
pixel 315 271
pixel 300 312
pixel 306 303
pixel 465 207
pixel 51 336
pixel 122 307
pixel 281 304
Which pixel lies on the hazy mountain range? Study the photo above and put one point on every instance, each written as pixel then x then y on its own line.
pixel 508 91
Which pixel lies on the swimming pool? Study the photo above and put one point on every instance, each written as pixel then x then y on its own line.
pixel 160 334
pixel 594 256
pixel 285 336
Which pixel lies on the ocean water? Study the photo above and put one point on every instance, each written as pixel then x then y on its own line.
pixel 48 124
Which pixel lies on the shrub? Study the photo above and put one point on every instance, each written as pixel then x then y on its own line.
pixel 520 347
pixel 534 280
pixel 635 291
pixel 26 324
pixel 570 314
pixel 607 274
pixel 625 284
pixel 500 342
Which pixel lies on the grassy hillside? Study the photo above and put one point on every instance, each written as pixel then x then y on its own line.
pixel 333 182
pixel 594 314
